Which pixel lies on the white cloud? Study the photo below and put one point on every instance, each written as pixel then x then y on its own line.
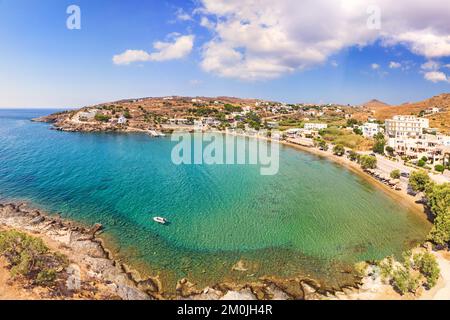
pixel 205 22
pixel 375 66
pixel 430 66
pixel 180 47
pixel 182 15
pixel 395 65
pixel 257 39
pixel 436 76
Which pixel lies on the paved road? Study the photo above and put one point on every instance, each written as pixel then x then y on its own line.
pixel 388 166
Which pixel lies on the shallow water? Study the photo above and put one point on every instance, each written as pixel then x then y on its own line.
pixel 313 218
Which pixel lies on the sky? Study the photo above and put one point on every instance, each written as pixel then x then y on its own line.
pixel 318 51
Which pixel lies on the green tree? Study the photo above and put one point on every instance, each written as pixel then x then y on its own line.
pixel 428 266
pixel 390 151
pixel 404 281
pixel 368 162
pixel 353 156
pixel 323 145
pixel 439 202
pixel 352 122
pixel 439 168
pixel 379 146
pixel 357 131
pixel 395 174
pixel 339 150
pixel 421 163
pixel 419 180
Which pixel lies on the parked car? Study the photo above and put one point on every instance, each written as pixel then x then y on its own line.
pixel 404 174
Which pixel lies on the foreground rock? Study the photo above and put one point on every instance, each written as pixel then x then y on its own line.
pixel 92 272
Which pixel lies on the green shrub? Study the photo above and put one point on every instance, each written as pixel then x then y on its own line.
pixel 368 162
pixel 339 150
pixel 386 268
pixel 428 266
pixel 30 257
pixel 395 174
pixel 404 281
pixel 390 150
pixel 439 168
pixel 46 277
pixel 421 163
pixel 419 180
pixel 353 156
pixel 323 145
pixel 361 268
pixel 127 114
pixel 102 117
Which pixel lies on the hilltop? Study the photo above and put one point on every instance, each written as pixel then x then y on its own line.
pixel 374 103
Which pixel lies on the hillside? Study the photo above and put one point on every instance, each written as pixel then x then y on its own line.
pixel 440 120
pixel 374 103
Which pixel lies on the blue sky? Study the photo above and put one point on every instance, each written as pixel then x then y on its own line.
pixel 44 64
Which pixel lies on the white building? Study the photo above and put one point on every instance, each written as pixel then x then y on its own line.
pixel 122 120
pixel 177 121
pixel 315 126
pixel 370 129
pixel 426 145
pixel 432 110
pixel 87 115
pixel 198 125
pixel 293 132
pixel 406 126
pixel 273 124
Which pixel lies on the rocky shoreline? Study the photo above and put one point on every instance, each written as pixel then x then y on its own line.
pixel 87 252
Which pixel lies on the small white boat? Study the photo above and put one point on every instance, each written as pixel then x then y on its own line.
pixel 160 220
pixel 156 134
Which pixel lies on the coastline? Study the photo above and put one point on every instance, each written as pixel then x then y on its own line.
pixel 187 290
pixel 402 195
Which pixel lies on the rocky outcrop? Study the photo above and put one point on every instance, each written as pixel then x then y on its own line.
pixel 90 263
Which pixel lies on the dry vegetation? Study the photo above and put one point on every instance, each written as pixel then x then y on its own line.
pixel 382 111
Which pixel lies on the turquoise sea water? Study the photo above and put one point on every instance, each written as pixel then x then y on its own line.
pixel 313 218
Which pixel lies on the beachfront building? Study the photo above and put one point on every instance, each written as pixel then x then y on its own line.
pixel 315 126
pixel 426 145
pixel 294 132
pixel 406 126
pixel 199 125
pixel 178 121
pixel 370 129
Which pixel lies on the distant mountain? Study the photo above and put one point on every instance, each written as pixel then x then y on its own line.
pixel 374 103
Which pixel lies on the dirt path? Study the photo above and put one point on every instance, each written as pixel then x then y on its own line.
pixel 443 293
